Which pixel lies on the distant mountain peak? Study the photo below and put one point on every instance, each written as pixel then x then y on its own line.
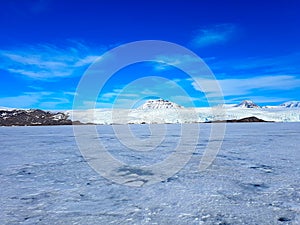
pixel 291 104
pixel 247 104
pixel 160 104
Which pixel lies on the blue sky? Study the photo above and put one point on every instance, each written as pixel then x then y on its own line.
pixel 252 47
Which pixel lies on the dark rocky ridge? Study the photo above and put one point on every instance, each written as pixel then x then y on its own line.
pixel 251 119
pixel 32 117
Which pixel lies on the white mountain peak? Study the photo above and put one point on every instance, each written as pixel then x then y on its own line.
pixel 247 104
pixel 291 104
pixel 160 104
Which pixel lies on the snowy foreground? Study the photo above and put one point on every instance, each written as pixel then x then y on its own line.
pixel 253 180
pixel 184 115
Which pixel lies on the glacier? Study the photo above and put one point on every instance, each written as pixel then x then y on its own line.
pixel 182 115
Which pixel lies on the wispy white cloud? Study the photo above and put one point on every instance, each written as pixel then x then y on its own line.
pixel 71 93
pixel 191 64
pixel 216 34
pixel 92 104
pixel 246 86
pixel 45 61
pixel 20 101
pixel 118 98
pixel 273 65
pixel 253 86
pixel 109 96
pixel 186 100
pixel 165 61
pixel 39 99
pixel 131 95
pixel 86 60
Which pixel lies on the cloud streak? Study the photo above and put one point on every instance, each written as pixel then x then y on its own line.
pixel 275 65
pixel 46 61
pixel 151 87
pixel 246 86
pixel 164 62
pixel 39 99
pixel 217 34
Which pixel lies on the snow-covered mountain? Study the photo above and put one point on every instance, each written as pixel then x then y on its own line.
pixel 247 104
pixel 163 111
pixel 159 104
pixel 183 115
pixel 291 104
pixel 154 112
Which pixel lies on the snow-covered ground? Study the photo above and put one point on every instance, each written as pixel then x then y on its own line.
pixel 253 180
pixel 183 115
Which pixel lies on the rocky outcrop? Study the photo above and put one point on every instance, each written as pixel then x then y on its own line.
pixel 251 119
pixel 32 117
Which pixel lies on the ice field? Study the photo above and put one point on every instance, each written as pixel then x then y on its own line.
pixel 255 178
pixel 185 115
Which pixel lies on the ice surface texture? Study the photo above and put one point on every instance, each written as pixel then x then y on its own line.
pixel 254 179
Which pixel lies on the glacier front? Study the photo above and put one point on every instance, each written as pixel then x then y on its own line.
pixel 182 115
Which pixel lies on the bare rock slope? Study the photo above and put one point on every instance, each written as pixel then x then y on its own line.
pixel 32 117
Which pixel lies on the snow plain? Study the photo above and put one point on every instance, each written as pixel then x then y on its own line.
pixel 253 180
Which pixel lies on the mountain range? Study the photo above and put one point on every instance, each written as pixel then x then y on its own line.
pixel 246 104
pixel 291 104
pixel 154 111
